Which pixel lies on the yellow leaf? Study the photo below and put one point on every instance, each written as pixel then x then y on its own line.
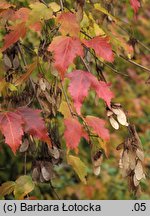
pixel 64 109
pixel 7 188
pixel 54 6
pixel 23 186
pixel 103 10
pixel 78 166
pixel 39 12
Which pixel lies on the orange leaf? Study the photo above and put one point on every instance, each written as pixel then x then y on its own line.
pixel 69 24
pixel 19 31
pixel 25 76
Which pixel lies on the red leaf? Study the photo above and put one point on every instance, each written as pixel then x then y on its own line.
pixel 103 91
pixel 22 14
pixel 34 123
pixel 69 24
pixel 5 5
pixel 135 4
pixel 19 31
pixel 65 49
pixel 81 82
pixel 102 47
pixel 73 133
pixel 11 127
pixel 98 126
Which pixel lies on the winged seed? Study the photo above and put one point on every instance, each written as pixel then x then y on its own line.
pixel 140 154
pixel 97 170
pixel 139 170
pixel 114 123
pixel 136 182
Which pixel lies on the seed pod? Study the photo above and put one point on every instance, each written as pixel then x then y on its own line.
pixel 132 160
pixel 96 170
pixel 46 170
pixel 36 174
pixel 24 146
pixel 54 152
pixel 42 84
pixel 121 117
pixel 136 182
pixel 16 62
pixel 140 154
pixel 114 123
pixel 109 113
pixel 139 170
pixel 125 160
pixel 7 61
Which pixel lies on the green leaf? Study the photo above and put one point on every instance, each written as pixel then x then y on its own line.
pixel 7 188
pixel 24 185
pixel 78 166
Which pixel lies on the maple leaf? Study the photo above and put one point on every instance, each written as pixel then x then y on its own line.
pixel 65 49
pixel 81 82
pixel 22 14
pixel 73 133
pixel 78 166
pixel 69 24
pixel 34 123
pixel 103 91
pixel 135 4
pixel 101 46
pixel 11 127
pixel 19 31
pixel 98 126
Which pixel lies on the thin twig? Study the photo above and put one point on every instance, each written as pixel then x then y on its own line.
pixel 54 191
pixel 42 1
pixel 61 5
pixel 85 64
pixel 134 63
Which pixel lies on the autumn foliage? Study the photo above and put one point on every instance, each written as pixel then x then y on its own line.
pixel 54 58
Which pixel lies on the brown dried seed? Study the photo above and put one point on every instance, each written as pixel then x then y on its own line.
pixel 140 154
pixel 42 84
pixel 139 170
pixel 121 117
pixel 96 170
pixel 54 152
pixel 132 159
pixel 109 113
pixel 136 182
pixel 16 62
pixel 36 174
pixel 125 160
pixel 7 61
pixel 114 123
pixel 46 170
pixel 24 146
